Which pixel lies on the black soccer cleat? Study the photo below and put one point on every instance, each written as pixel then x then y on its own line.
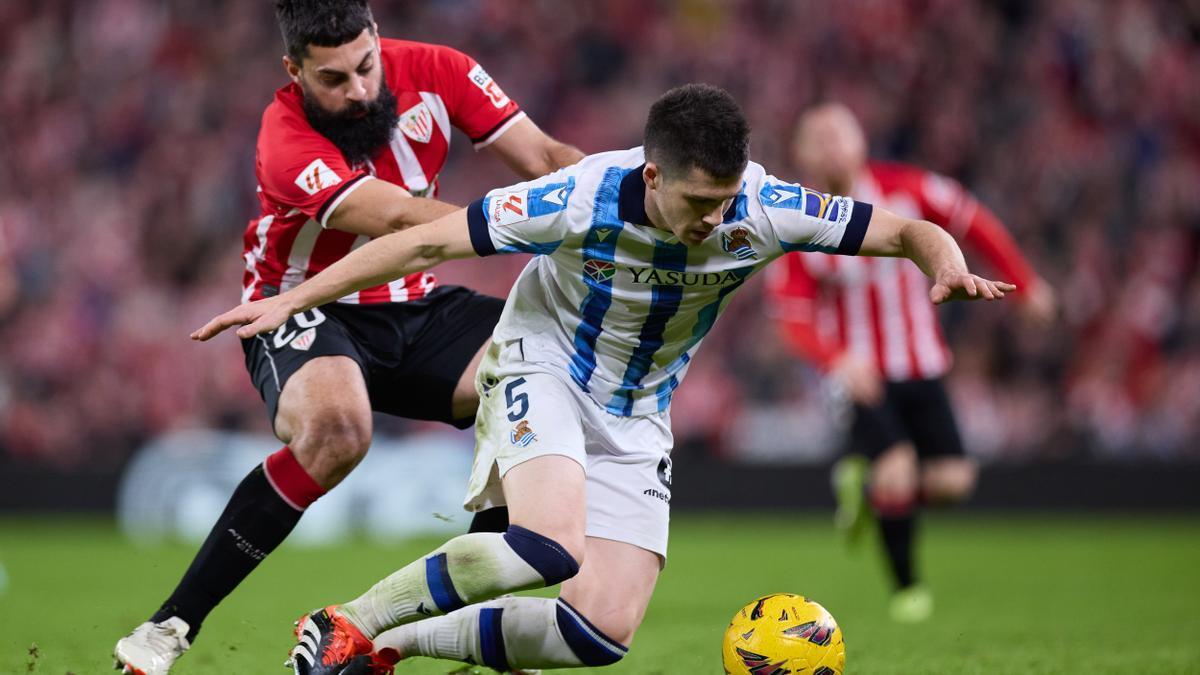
pixel 328 644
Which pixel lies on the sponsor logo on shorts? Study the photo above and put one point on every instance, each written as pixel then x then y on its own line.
pixel 509 207
pixel 522 435
pixel 488 86
pixel 737 242
pixel 658 494
pixel 316 177
pixel 417 123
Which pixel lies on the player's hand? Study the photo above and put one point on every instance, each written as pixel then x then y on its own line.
pixel 964 286
pixel 254 318
pixel 859 378
pixel 1039 304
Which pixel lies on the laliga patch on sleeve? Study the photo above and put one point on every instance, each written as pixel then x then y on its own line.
pixel 316 177
pixel 507 208
pixel 481 79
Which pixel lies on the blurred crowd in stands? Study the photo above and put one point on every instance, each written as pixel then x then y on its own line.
pixel 128 143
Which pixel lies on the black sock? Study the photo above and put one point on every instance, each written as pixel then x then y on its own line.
pixel 494 519
pixel 897 534
pixel 254 522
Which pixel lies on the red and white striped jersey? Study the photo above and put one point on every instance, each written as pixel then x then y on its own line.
pixel 879 308
pixel 302 176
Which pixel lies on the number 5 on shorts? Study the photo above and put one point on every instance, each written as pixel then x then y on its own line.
pixel 521 399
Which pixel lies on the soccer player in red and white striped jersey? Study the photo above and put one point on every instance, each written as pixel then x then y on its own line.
pixel 870 325
pixel 346 153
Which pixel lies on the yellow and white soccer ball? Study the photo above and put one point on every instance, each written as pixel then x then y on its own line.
pixel 783 634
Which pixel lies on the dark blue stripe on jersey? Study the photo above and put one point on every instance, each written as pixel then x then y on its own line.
pixel 664 304
pixel 551 198
pixel 856 229
pixel 707 315
pixel 600 246
pixel 491 638
pixel 477 225
pixel 590 646
pixel 441 588
pixel 738 209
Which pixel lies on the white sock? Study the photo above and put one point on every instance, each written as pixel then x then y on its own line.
pixel 467 569
pixel 505 634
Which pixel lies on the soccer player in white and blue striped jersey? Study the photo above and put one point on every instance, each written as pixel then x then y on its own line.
pixel 636 254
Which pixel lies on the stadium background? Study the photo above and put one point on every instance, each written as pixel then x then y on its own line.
pixel 128 132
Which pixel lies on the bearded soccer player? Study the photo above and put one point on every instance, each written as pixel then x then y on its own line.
pixel 866 323
pixel 344 149
pixel 637 252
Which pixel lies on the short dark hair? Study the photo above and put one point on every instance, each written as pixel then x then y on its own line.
pixel 698 125
pixel 324 23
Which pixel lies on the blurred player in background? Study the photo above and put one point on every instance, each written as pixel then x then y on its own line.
pixel 866 322
pixel 638 253
pixel 363 127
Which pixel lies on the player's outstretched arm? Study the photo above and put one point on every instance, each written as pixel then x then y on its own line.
pixel 376 262
pixel 531 152
pixel 377 207
pixel 934 251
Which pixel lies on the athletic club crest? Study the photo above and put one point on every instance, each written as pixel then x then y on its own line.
pixel 417 123
pixel 737 242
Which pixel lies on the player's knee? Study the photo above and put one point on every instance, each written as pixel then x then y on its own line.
pixel 553 561
pixel 950 484
pixel 895 474
pixel 893 488
pixel 331 444
pixel 602 643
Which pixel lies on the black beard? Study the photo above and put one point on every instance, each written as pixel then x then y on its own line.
pixel 357 137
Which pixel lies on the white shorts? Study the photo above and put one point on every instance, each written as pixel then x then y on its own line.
pixel 529 410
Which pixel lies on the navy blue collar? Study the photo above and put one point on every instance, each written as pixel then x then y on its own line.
pixel 631 198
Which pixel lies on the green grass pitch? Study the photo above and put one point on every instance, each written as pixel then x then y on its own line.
pixel 1023 595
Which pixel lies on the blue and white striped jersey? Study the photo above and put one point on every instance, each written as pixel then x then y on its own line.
pixel 623 305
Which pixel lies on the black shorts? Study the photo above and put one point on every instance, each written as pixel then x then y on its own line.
pixel 917 411
pixel 412 354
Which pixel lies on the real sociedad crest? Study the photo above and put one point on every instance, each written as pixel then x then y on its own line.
pixel 737 242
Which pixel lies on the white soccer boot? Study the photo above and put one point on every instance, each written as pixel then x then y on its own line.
pixel 152 648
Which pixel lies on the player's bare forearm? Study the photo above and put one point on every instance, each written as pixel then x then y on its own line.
pixel 934 251
pixel 561 154
pixel 378 207
pixel 931 248
pixel 376 262
pixel 531 153
pixel 420 210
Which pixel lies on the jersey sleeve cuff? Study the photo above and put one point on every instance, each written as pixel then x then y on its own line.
pixel 335 200
pixel 477 225
pixel 498 130
pixel 856 229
